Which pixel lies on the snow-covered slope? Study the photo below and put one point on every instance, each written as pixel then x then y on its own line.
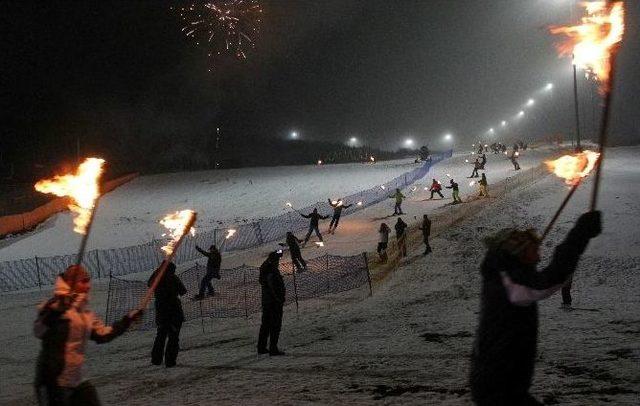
pixel 407 344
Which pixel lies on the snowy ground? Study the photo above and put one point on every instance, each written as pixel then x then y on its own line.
pixel 407 344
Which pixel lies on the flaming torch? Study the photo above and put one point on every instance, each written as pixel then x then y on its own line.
pixel 594 46
pixel 84 190
pixel 178 225
pixel 573 169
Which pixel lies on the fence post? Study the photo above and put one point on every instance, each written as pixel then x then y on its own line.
pixel 98 263
pixel 244 285
pixel 38 273
pixel 201 316
pixel 258 231
pixel 215 236
pixel 295 286
pixel 366 264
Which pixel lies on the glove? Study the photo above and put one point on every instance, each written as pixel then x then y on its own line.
pixel 589 224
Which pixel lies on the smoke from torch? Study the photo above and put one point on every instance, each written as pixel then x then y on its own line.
pixel 82 187
pixel 176 224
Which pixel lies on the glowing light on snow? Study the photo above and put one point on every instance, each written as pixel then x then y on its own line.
pixel 230 233
pixel 382 187
pixel 572 168
pixel 359 203
pixel 83 188
pixel 319 162
pixel 289 205
pixel 177 224
pixel 473 182
pixel 320 244
pixel 372 159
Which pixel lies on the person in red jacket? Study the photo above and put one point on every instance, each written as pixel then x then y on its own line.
pixel 436 187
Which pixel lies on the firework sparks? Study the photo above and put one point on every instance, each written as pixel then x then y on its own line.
pixel 591 43
pixel 572 168
pixel 83 188
pixel 176 225
pixel 223 26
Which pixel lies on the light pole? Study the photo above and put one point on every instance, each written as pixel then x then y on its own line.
pixel 575 88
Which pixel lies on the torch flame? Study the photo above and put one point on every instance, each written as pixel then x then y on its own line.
pixel 591 42
pixel 82 188
pixel 230 233
pixel 175 223
pixel 359 203
pixel 572 168
pixel 288 204
pixel 320 244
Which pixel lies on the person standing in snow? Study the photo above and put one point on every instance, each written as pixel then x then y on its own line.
pixel 455 191
pixel 214 260
pixel 273 297
pixel 483 186
pixel 169 316
pixel 313 224
pixel 294 249
pixel 476 166
pixel 514 160
pixel 436 187
pixel 426 232
pixel 504 349
pixel 397 210
pixel 65 324
pixel 383 242
pixel 483 161
pixel 401 237
pixel 337 212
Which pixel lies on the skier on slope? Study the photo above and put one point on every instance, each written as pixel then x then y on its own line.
pixel 337 205
pixel 483 161
pixel 401 238
pixel 313 224
pixel 65 324
pixel 169 316
pixel 436 187
pixel 426 232
pixel 214 260
pixel 514 160
pixel 273 298
pixel 383 242
pixel 483 186
pixel 397 210
pixel 504 350
pixel 455 194
pixel 476 166
pixel 294 249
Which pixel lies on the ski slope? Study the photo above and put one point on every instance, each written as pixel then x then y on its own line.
pixel 130 214
pixel 410 342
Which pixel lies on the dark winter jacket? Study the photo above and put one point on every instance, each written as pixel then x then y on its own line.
pixel 64 325
pixel 214 259
pixel 337 208
pixel 453 186
pixel 504 350
pixel 400 226
pixel 167 304
pixel 292 243
pixel 315 218
pixel 426 229
pixel 272 283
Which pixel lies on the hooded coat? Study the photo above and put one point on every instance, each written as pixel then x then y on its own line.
pixel 271 281
pixel 65 325
pixel 214 259
pixel 167 303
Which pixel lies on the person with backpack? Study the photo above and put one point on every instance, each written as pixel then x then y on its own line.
pixel 214 260
pixel 337 205
pixel 272 299
pixel 456 191
pixel 436 187
pixel 313 224
pixel 426 232
pixel 64 325
pixel 383 242
pixel 401 237
pixel 397 210
pixel 169 316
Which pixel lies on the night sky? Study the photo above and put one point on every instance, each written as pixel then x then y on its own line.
pixel 122 77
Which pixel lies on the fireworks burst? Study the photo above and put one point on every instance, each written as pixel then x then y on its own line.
pixel 223 26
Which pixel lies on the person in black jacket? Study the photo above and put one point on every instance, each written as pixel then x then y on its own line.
pixel 483 160
pixel 401 237
pixel 169 316
pixel 214 259
pixel 504 349
pixel 426 232
pixel 273 297
pixel 294 249
pixel 337 205
pixel 313 224
pixel 456 191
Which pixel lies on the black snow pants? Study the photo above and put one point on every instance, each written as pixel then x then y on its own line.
pixel 84 394
pixel 398 208
pixel 334 222
pixel 206 284
pixel 170 331
pixel 438 192
pixel 312 229
pixel 298 262
pixel 270 327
